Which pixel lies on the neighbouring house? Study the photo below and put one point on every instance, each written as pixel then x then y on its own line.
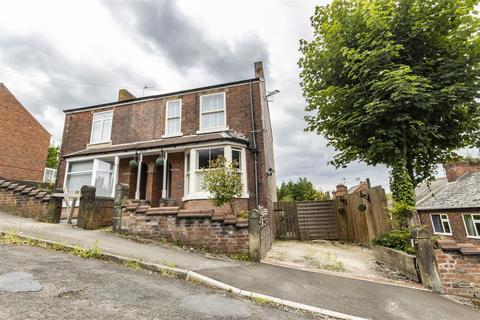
pixel 159 145
pixel 342 189
pixel 23 141
pixel 449 207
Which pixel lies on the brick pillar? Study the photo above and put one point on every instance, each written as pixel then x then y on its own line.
pixel 254 235
pixel 55 206
pixel 86 209
pixel 426 262
pixel 121 194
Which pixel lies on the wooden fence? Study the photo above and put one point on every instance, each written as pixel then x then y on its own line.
pixel 357 217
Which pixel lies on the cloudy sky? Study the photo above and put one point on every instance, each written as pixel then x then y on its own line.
pixel 56 55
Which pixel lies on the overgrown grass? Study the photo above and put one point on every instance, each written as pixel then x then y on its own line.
pixel 12 237
pixel 131 264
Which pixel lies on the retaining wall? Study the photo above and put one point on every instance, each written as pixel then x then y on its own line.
pixel 398 261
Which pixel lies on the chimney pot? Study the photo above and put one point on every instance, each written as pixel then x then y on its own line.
pixel 259 70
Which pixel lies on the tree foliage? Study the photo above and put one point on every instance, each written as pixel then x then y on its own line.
pixel 394 82
pixel 300 190
pixel 223 181
pixel 52 158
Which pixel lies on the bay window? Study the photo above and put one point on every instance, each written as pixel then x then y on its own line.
pixel 472 225
pixel 212 112
pixel 101 127
pixel 197 160
pixel 98 173
pixel 173 118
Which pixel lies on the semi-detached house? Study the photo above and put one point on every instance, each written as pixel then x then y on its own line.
pixel 159 145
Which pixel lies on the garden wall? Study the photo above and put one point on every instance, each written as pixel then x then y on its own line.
pixel 459 268
pixel 194 228
pixel 398 261
pixel 94 212
pixel 26 201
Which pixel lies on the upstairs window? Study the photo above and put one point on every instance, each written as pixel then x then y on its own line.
pixel 173 125
pixel 441 225
pixel 101 127
pixel 472 225
pixel 212 111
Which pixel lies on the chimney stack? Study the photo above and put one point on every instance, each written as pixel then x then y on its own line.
pixel 259 70
pixel 341 190
pixel 124 94
pixel 455 170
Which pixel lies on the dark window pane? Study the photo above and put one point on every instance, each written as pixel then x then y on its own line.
pixel 203 159
pixel 216 153
pixel 477 226
pixel 236 158
pixel 437 223
pixel 446 227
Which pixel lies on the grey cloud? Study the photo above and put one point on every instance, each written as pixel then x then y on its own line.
pixel 185 43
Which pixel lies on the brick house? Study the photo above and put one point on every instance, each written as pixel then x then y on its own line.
pixel 172 137
pixel 23 141
pixel 450 206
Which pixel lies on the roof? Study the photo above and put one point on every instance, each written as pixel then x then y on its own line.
pixel 428 188
pixel 460 194
pixel 163 95
pixel 161 143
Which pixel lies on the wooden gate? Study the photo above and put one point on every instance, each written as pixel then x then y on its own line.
pixel 306 220
pixel 286 219
pixel 317 220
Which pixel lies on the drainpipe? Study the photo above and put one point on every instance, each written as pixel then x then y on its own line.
pixel 254 146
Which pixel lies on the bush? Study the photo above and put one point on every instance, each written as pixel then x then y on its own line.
pixel 396 239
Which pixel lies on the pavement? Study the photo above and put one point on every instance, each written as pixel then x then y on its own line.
pixel 360 298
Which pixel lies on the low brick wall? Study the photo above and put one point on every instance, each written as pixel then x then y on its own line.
pixel 194 228
pixel 459 268
pixel 94 212
pixel 397 260
pixel 30 202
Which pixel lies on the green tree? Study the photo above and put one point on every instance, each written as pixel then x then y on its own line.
pixel 300 190
pixel 223 181
pixel 394 82
pixel 52 158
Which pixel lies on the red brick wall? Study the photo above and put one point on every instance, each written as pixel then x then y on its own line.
pixel 460 273
pixel 193 229
pixel 459 233
pixel 455 170
pixel 24 201
pixel 24 142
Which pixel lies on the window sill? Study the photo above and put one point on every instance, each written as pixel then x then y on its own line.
pixel 173 135
pixel 202 131
pixel 443 234
pixel 99 144
pixel 473 237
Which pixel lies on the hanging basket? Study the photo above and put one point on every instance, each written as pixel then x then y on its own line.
pixel 160 161
pixel 133 164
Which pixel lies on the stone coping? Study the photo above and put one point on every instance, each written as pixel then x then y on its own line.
pixel 464 248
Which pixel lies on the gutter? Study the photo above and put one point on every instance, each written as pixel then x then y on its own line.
pixel 254 146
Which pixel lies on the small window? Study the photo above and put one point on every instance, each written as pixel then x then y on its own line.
pixel 472 225
pixel 173 124
pixel 212 111
pixel 101 127
pixel 441 224
pixel 207 155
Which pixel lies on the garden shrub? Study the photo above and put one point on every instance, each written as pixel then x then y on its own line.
pixel 396 239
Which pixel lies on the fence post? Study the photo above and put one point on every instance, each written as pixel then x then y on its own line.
pixel 55 206
pixel 426 262
pixel 254 234
pixel 121 193
pixel 86 209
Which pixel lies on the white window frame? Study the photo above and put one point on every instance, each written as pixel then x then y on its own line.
pixel 176 134
pixel 93 126
pixel 443 218
pixel 191 192
pixel 216 129
pixel 473 220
